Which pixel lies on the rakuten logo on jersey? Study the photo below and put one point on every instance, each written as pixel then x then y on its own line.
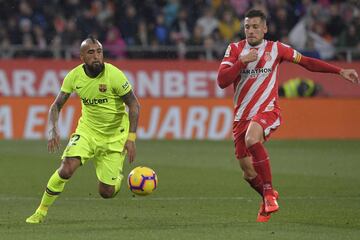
pixel 94 101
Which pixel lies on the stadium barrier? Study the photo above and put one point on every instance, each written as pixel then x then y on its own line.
pixel 153 79
pixel 26 118
pixel 180 100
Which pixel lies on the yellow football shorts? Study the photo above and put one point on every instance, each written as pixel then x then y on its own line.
pixel 108 154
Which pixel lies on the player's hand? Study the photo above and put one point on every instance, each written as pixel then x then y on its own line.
pixel 250 57
pixel 53 140
pixel 350 75
pixel 131 150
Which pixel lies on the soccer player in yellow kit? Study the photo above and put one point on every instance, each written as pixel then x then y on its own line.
pixel 105 133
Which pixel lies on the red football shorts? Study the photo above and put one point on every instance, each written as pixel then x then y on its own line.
pixel 269 121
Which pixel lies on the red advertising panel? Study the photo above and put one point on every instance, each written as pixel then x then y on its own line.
pixel 26 118
pixel 152 79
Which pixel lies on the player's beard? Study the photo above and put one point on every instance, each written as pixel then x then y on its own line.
pixel 95 68
pixel 255 43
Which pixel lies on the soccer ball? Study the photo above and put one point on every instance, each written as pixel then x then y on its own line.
pixel 142 180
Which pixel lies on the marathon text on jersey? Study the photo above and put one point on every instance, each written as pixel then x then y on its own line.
pixel 256 71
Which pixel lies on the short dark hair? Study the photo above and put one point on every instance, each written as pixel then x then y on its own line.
pixel 255 13
pixel 92 39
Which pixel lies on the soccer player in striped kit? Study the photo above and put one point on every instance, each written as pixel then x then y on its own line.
pixel 251 66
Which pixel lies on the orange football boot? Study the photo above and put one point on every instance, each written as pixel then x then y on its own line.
pixel 264 216
pixel 270 203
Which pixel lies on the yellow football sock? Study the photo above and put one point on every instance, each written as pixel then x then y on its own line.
pixel 54 187
pixel 117 185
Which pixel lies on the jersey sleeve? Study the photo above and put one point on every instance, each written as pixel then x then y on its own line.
pixel 231 55
pixel 121 85
pixel 288 53
pixel 67 85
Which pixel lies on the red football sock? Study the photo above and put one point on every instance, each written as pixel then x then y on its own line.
pixel 262 165
pixel 257 184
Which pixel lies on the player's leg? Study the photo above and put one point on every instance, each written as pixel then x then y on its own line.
pixel 245 161
pixel 76 153
pixel 254 138
pixel 109 173
pixel 54 187
pixel 250 174
pixel 109 165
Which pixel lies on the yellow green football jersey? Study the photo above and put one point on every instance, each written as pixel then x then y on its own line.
pixel 103 111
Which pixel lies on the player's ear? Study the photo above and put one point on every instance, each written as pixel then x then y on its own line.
pixel 265 27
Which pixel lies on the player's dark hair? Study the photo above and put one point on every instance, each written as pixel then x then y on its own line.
pixel 92 39
pixel 255 13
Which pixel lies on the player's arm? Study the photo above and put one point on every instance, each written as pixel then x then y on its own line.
pixel 231 66
pixel 53 117
pixel 227 74
pixel 316 65
pixel 134 108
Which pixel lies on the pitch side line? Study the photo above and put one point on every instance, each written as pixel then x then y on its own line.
pixel 150 198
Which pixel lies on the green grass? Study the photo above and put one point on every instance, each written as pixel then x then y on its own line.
pixel 201 194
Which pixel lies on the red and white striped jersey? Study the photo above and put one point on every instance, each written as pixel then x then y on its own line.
pixel 256 85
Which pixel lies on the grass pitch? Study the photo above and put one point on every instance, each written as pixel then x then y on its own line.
pixel 201 194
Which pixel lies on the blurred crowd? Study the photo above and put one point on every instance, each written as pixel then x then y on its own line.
pixel 179 29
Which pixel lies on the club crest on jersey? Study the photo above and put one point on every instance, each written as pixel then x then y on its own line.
pixel 267 56
pixel 102 87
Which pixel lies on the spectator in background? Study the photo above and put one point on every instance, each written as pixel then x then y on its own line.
pixel 229 26
pixel 114 44
pixel 210 53
pixel 181 28
pixel 282 23
pixel 70 33
pixel 171 10
pixel 335 25
pixel 60 18
pixel 40 42
pixel 196 40
pixel 240 7
pixel 350 38
pixel 208 22
pixel 161 31
pixel 128 24
pixel 142 40
pixel 180 33
pixel 103 11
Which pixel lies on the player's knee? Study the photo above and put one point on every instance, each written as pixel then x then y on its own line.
pixel 68 167
pixel 65 172
pixel 249 174
pixel 106 193
pixel 250 140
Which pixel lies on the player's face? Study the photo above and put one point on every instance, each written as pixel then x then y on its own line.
pixel 255 29
pixel 92 56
